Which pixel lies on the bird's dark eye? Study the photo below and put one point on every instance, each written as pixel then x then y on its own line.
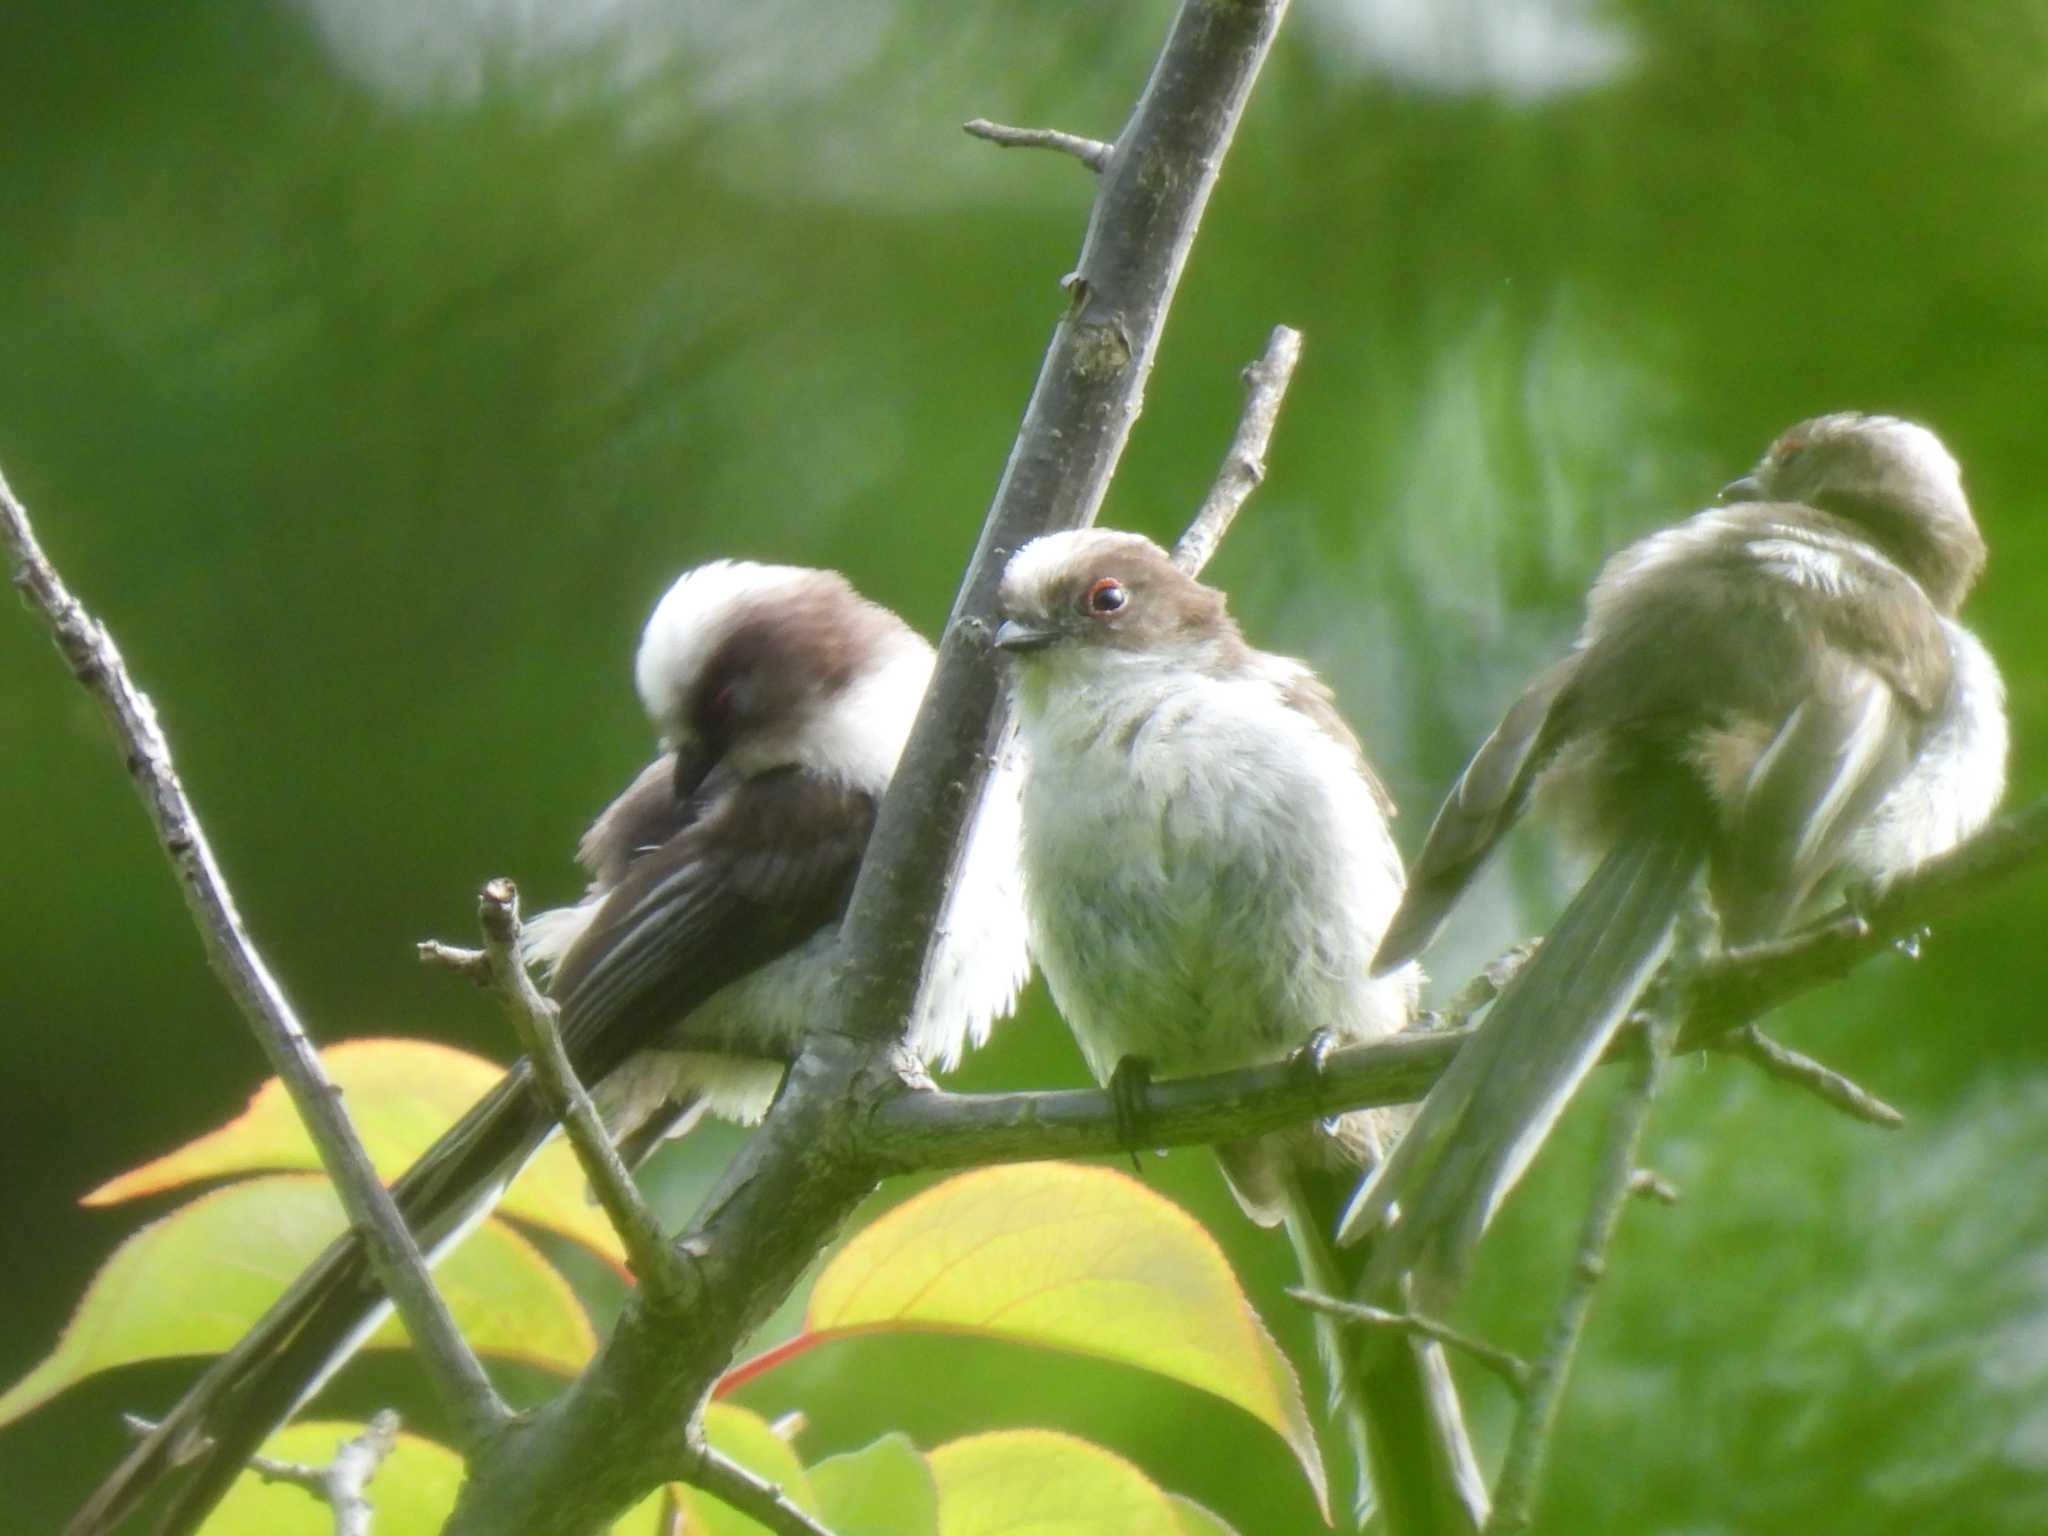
pixel 1789 451
pixel 1105 597
pixel 719 703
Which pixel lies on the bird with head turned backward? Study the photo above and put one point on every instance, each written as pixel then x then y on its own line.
pixel 1207 871
pixel 1774 695
pixel 686 979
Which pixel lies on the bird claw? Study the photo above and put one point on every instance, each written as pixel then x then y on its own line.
pixel 1308 1061
pixel 1128 1085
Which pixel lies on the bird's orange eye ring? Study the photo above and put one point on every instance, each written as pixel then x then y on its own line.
pixel 1105 598
pixel 1789 449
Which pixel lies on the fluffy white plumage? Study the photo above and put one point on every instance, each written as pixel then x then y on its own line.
pixel 855 735
pixel 1207 868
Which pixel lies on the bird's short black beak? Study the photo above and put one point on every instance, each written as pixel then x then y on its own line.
pixel 1016 636
pixel 1745 489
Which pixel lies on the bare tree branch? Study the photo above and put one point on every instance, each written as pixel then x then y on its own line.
pixel 89 650
pixel 1244 466
pixel 755 1497
pixel 1521 1474
pixel 1731 989
pixel 1092 153
pixel 580 1459
pixel 932 1129
pixel 343 1484
pixel 659 1269
pixel 1786 1065
pixel 1511 1368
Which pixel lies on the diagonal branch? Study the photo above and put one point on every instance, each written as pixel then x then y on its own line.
pixel 1511 1368
pixel 655 1265
pixel 1802 1071
pixel 89 650
pixel 1244 465
pixel 1514 1494
pixel 1732 989
pixel 579 1461
pixel 755 1497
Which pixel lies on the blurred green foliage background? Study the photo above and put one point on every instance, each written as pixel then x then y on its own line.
pixel 371 366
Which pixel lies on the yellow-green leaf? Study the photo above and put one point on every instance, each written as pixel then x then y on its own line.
pixel 412 1492
pixel 1068 1257
pixel 748 1440
pixel 884 1489
pixel 401 1094
pixel 1035 1482
pixel 192 1283
pixel 1196 1520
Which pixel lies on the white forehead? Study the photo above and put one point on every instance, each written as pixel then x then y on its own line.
pixel 1920 447
pixel 1904 442
pixel 693 617
pixel 1038 570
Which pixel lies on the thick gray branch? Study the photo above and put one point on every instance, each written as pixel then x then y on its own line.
pixel 610 1436
pixel 933 1129
pixel 89 650
pixel 1088 396
pixel 955 1130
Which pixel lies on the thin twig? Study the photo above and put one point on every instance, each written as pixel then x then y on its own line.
pixel 1832 1088
pixel 755 1497
pixel 343 1484
pixel 89 650
pixel 1244 466
pixel 662 1274
pixel 1731 989
pixel 1511 1368
pixel 1514 1495
pixel 1648 1184
pixel 1483 988
pixel 1092 153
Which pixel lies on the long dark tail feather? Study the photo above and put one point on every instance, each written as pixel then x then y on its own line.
pixel 1424 906
pixel 307 1334
pixel 1490 1112
pixel 1411 1456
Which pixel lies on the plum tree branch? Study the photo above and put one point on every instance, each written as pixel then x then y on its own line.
pixel 1725 994
pixel 755 1497
pixel 1244 465
pixel 585 1456
pixel 1092 153
pixel 95 660
pixel 497 966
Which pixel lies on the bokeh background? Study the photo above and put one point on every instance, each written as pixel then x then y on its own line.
pixel 371 365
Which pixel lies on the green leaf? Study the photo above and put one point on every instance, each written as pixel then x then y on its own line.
pixel 884 1489
pixel 412 1493
pixel 1036 1482
pixel 1068 1257
pixel 401 1095
pixel 167 1291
